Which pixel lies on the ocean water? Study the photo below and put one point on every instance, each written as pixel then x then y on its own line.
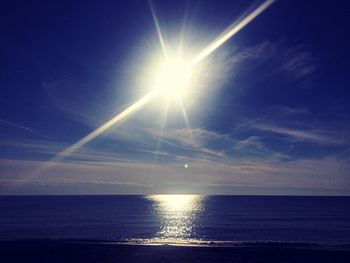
pixel 178 219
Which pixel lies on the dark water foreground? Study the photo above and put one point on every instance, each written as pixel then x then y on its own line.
pixel 178 219
pixel 174 228
pixel 67 251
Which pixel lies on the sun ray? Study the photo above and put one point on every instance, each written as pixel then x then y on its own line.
pixel 160 135
pixel 186 119
pixel 183 32
pixel 107 125
pixel 230 32
pixel 159 32
pixel 184 113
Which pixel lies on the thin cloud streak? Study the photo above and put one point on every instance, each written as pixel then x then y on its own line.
pixel 320 173
pixel 298 63
pixel 301 63
pixel 206 165
pixel 22 127
pixel 301 135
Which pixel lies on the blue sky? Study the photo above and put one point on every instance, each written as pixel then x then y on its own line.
pixel 269 114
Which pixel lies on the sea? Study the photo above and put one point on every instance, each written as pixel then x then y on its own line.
pixel 186 220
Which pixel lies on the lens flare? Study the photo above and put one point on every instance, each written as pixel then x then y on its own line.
pixel 116 119
pixel 173 77
pixel 157 26
pixel 231 31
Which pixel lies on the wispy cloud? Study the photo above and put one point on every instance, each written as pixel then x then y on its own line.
pixel 22 127
pixel 298 62
pixel 312 136
pixel 197 140
pixel 323 173
pixel 242 158
pixel 195 137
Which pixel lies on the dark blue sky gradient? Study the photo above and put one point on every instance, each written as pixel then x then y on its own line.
pixel 277 119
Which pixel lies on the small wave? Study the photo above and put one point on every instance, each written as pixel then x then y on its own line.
pixel 191 242
pixel 220 243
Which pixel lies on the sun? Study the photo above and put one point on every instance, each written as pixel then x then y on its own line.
pixel 172 78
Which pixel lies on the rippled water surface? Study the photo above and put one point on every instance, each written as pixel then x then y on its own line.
pixel 177 219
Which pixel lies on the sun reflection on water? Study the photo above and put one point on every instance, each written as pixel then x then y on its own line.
pixel 177 214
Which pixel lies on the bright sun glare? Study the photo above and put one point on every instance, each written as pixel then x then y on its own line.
pixel 172 78
pixel 175 203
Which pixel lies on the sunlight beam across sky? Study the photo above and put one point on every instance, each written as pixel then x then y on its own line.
pixel 167 76
pixel 230 32
pixel 119 117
